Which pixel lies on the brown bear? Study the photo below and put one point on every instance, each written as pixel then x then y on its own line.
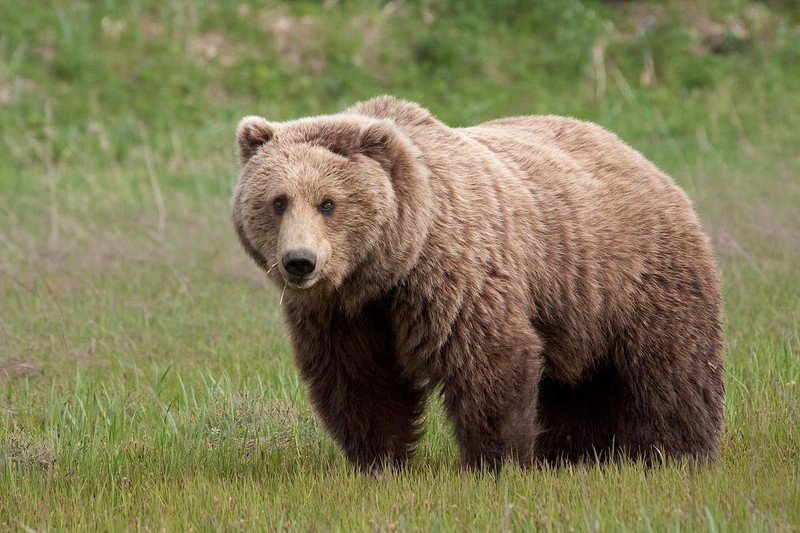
pixel 553 282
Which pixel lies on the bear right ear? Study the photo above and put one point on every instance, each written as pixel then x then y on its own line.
pixel 251 133
pixel 379 141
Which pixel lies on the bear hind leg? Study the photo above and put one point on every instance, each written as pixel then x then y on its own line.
pixel 669 413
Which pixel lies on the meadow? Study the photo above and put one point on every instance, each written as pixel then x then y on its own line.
pixel 146 378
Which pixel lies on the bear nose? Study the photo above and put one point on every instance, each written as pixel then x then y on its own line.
pixel 299 262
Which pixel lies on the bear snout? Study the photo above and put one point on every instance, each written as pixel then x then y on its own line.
pixel 300 262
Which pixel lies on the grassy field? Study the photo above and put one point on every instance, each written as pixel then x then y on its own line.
pixel 146 380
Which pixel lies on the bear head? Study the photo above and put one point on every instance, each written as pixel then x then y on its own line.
pixel 323 200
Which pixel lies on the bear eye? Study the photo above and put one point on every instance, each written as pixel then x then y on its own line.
pixel 279 204
pixel 326 207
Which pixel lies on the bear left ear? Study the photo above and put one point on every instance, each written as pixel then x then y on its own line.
pixel 379 141
pixel 251 133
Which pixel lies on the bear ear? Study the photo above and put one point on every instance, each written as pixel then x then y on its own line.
pixel 379 140
pixel 251 133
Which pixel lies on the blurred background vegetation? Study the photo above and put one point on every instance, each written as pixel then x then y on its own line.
pixel 88 74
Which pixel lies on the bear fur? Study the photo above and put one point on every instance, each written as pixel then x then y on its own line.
pixel 553 282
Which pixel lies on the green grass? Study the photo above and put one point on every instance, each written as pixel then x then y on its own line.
pixel 146 380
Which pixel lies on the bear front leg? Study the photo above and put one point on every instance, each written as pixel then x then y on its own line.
pixel 372 416
pixel 356 386
pixel 493 402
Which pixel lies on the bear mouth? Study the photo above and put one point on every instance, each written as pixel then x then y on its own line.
pixel 302 282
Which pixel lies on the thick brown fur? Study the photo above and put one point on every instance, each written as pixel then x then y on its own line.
pixel 554 282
